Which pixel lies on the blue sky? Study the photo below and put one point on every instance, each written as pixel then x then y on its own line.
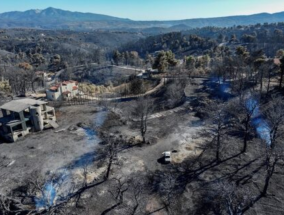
pixel 152 9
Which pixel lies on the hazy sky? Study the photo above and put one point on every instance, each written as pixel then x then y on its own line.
pixel 152 9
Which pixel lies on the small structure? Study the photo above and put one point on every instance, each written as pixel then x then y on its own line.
pixel 41 74
pixel 62 91
pixel 152 71
pixel 167 156
pixel 20 117
pixel 38 96
pixel 146 74
pixel 143 75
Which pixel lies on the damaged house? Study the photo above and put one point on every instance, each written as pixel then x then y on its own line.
pixel 20 117
pixel 62 91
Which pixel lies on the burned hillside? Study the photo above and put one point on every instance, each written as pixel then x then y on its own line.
pixel 119 123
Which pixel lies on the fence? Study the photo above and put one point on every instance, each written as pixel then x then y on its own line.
pixel 86 99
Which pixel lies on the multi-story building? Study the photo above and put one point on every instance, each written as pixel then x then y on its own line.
pixel 62 91
pixel 20 117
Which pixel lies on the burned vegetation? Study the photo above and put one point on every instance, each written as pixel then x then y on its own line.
pixel 182 123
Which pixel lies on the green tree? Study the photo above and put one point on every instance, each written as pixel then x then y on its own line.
pixel 149 60
pixel 279 53
pixel 190 62
pixel 234 39
pixel 242 52
pixel 164 60
pixel 116 57
pixel 248 38
pixel 136 86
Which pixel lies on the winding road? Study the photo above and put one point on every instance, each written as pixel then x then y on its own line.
pixel 163 80
pixel 56 77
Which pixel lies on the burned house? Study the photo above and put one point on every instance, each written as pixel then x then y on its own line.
pixel 20 117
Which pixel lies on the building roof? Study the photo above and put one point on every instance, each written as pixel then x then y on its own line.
pixel 167 153
pixel 69 82
pixel 21 104
pixel 54 87
pixel 38 95
pixel 277 61
pixel 64 83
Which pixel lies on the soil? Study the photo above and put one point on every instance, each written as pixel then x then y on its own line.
pixel 75 145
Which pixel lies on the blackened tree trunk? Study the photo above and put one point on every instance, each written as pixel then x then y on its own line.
pixel 120 202
pixel 110 161
pixel 134 209
pixel 111 154
pixel 118 196
pixel 269 173
pixel 142 109
pixel 246 133
pixel 143 128
pixel 218 144
pixel 220 121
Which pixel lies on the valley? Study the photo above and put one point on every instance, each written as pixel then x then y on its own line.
pixel 102 115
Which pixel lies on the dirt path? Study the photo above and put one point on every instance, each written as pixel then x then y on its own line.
pixel 167 113
pixel 155 89
pixel 184 138
pixel 173 130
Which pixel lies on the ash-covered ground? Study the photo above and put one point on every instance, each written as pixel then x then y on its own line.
pixel 72 148
pixel 51 150
pixel 68 161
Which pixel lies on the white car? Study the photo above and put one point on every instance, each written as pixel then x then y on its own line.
pixel 167 156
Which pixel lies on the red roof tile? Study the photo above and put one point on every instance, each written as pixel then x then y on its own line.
pixel 54 88
pixel 69 82
pixel 277 61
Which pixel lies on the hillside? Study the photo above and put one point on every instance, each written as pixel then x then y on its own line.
pixel 199 41
pixel 54 14
pixel 52 18
pixel 189 121
pixel 73 47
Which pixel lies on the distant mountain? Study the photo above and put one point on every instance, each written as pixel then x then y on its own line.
pixel 233 20
pixel 52 18
pixel 56 14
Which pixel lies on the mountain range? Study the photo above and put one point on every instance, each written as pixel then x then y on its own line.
pixel 52 19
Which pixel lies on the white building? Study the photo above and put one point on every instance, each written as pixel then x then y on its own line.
pixel 62 91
